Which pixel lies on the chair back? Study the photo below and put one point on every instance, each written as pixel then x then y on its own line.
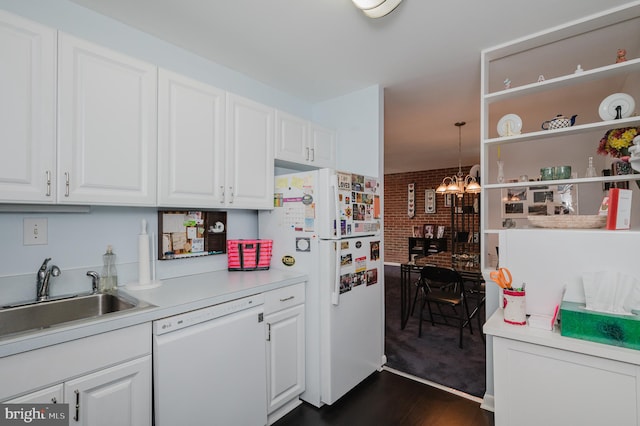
pixel 441 277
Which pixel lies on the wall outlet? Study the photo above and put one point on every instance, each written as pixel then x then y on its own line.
pixel 34 231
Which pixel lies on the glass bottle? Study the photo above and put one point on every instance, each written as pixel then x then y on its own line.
pixel 591 171
pixel 109 276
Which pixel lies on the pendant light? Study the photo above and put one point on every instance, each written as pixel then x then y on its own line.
pixel 376 8
pixel 459 184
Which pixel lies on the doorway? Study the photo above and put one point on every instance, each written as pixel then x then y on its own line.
pixel 435 356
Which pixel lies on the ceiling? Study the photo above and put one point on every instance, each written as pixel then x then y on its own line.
pixel 425 54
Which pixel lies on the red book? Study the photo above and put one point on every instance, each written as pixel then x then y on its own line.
pixel 619 211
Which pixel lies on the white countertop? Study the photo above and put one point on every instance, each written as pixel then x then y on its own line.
pixel 495 326
pixel 174 296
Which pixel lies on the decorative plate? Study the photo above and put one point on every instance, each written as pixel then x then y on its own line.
pixel 509 125
pixel 566 221
pixel 607 109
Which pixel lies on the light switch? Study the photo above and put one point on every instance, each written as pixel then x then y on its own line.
pixel 35 231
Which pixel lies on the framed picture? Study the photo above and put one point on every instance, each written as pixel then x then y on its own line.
pixel 539 200
pixel 411 196
pixel 447 200
pixel 441 229
pixel 417 231
pixel 514 202
pixel 430 201
pixel 429 230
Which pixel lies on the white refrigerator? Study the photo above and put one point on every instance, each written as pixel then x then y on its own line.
pixel 345 292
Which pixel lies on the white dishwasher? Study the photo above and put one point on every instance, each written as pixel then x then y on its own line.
pixel 209 366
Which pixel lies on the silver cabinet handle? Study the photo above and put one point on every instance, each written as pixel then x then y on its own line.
pixel 307 155
pixel 77 416
pixel 66 180
pixel 231 194
pixel 48 183
pixel 313 154
pixel 287 298
pixel 221 194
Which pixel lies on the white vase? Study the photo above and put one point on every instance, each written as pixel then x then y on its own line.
pixel 500 171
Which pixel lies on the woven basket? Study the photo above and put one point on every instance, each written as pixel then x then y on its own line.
pixel 569 221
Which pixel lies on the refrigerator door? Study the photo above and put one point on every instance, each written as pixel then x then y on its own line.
pixel 354 198
pixel 352 337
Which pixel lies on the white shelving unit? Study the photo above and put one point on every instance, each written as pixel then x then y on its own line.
pixel 571 44
pixel 548 260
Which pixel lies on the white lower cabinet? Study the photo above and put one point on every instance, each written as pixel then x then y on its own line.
pixel 50 395
pixel 119 395
pixel 540 385
pixel 105 378
pixel 284 317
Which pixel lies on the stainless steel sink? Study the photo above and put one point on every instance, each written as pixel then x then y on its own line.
pixel 41 315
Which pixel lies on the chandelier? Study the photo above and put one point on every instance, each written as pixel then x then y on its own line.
pixel 459 184
pixel 376 8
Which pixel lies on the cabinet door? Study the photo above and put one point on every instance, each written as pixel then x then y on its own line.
pixel 537 385
pixel 322 147
pixel 190 142
pixel 27 122
pixel 107 132
pixel 119 395
pixel 292 138
pixel 249 154
pixel 53 394
pixel 285 356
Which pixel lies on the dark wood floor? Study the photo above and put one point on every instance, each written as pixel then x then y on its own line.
pixel 387 399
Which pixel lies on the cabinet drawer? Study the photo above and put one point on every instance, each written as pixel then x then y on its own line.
pixel 283 298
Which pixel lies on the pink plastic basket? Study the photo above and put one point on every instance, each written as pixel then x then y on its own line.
pixel 249 255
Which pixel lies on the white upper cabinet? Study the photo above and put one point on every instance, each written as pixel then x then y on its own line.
pixel 302 142
pixel 107 126
pixel 323 146
pixel 249 154
pixel 27 101
pixel 292 138
pixel 191 142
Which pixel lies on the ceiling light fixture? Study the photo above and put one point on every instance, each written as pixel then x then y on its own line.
pixel 376 8
pixel 459 184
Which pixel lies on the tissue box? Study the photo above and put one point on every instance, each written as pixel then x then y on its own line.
pixel 600 327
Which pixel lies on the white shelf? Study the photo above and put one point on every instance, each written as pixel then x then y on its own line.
pixel 532 228
pixel 618 178
pixel 580 26
pixel 573 130
pixel 565 80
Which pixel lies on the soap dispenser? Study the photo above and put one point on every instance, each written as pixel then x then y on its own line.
pixel 109 276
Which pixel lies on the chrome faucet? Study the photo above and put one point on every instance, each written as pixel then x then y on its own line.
pixel 44 275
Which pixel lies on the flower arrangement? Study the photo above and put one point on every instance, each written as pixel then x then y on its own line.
pixel 616 142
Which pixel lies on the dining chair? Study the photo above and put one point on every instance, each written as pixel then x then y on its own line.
pixel 444 288
pixel 476 291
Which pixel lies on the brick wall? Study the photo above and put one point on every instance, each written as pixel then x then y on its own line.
pixel 398 226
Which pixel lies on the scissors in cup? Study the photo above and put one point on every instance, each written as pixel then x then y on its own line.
pixel 500 277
